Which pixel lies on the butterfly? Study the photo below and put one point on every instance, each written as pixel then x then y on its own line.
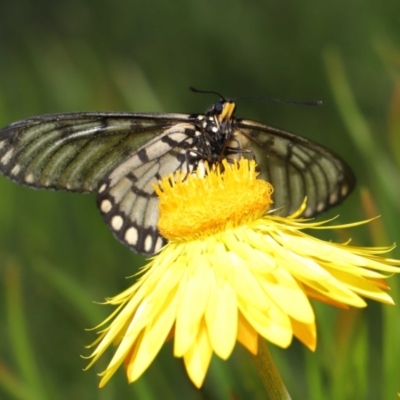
pixel 120 155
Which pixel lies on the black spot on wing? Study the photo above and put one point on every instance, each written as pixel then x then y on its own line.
pixel 142 154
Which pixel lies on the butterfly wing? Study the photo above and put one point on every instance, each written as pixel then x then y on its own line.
pixel 74 151
pixel 121 155
pixel 117 154
pixel 296 167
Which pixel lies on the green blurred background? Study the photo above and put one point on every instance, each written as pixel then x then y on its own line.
pixel 58 257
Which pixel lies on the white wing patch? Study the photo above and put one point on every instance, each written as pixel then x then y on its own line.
pixel 117 222
pixel 105 206
pixel 7 157
pixel 132 236
pixel 15 170
pixel 29 178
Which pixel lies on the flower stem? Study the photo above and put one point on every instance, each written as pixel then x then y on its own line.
pixel 269 374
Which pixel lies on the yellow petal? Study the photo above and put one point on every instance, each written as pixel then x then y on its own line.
pixel 193 297
pixel 288 295
pixel 362 286
pixel 306 333
pixel 221 319
pixel 153 338
pixel 247 335
pixel 198 357
pixel 273 324
pixel 245 283
pixel 337 291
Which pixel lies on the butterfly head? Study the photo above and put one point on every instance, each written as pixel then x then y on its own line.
pixel 223 110
pixel 221 113
pixel 218 123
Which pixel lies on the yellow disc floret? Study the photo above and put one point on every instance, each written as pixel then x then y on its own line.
pixel 193 205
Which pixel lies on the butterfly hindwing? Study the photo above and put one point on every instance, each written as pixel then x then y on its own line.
pixel 126 197
pixel 296 167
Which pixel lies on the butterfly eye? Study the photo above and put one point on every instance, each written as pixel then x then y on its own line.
pixel 218 107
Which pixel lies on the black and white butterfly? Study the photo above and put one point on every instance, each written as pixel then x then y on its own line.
pixel 120 156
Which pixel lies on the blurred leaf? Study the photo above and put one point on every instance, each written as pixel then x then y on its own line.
pixel 394 124
pixel 358 128
pixel 22 350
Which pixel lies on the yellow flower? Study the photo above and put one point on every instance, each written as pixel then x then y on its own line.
pixel 232 272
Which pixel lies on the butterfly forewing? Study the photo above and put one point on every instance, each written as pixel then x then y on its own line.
pixel 296 167
pixel 73 151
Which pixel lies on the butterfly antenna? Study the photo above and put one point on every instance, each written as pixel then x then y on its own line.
pixel 287 101
pixel 206 91
pixel 278 100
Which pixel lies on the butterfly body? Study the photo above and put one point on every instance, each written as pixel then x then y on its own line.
pixel 121 155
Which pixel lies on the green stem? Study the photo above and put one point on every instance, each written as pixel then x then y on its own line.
pixel 269 374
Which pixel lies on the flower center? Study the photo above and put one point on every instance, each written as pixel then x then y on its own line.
pixel 197 205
